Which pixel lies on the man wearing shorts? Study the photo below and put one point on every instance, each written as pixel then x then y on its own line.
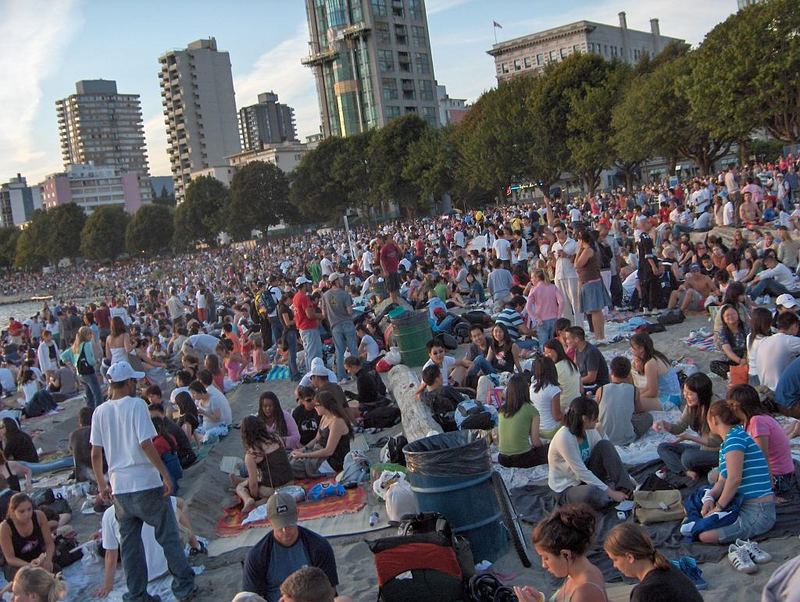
pixel 691 295
pixel 390 255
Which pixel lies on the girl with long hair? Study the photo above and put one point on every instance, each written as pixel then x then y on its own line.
pixel 761 329
pixel 266 462
pixel 34 584
pixel 731 340
pixel 569 377
pixel 503 352
pixel 518 428
pixel 277 420
pixel 593 292
pixel 118 342
pixel 662 388
pixel 82 358
pixel 562 540
pixel 16 443
pixel 682 458
pixel 188 418
pixel 583 466
pixel 25 537
pixel 633 554
pixel 545 394
pixel 332 442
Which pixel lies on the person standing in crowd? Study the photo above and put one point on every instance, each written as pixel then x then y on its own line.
pixel 123 433
pixel 564 250
pixel 81 356
pixel 499 284
pixel 390 255
pixel 307 317
pixel 649 268
pixel 594 297
pixel 337 308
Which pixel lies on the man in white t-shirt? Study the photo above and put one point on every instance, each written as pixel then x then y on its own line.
pixel 729 213
pixel 566 278
pixel 123 431
pixel 775 280
pixel 774 353
pixel 502 248
pixel 366 261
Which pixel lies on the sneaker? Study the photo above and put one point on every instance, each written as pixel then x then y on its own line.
pixel 662 474
pixel 688 566
pixel 758 555
pixel 741 560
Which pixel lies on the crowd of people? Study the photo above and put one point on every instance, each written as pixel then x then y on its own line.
pixel 156 347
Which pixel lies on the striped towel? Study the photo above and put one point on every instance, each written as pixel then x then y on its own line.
pixel 279 373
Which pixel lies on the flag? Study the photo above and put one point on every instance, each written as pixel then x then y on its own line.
pixel 496 24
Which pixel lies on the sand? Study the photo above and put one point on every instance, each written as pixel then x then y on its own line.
pixel 205 488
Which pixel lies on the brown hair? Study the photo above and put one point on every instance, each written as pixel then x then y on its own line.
pixel 723 411
pixel 16 501
pixel 628 538
pixel 569 527
pixel 309 584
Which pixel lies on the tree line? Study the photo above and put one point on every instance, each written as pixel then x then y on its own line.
pixel 581 115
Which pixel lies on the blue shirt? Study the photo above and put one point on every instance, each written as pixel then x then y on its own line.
pixel 755 472
pixel 282 563
pixel 787 391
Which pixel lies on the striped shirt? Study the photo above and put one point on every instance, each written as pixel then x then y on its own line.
pixel 755 473
pixel 512 320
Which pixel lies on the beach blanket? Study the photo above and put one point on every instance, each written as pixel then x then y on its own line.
pixel 534 502
pixel 701 340
pixel 231 522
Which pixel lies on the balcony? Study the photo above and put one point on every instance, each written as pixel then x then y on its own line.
pixel 318 58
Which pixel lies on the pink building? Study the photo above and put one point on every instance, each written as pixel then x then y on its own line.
pixel 90 186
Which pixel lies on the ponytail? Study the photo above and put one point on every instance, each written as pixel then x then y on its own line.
pixel 629 538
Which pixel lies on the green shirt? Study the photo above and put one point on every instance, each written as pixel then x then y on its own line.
pixel 515 432
pixel 441 291
pixel 316 271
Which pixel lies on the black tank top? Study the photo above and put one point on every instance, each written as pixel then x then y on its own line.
pixel 336 460
pixel 28 547
pixel 275 469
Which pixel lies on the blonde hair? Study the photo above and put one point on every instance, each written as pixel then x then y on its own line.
pixel 42 584
pixel 83 335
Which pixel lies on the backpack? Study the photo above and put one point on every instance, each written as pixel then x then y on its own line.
pixel 382 417
pixel 671 316
pixel 84 367
pixel 394 449
pixel 606 255
pixel 471 414
pixel 265 302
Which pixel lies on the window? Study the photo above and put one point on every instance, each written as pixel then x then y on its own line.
pixel 415 10
pixel 397 8
pixel 379 8
pixel 505 67
pixel 426 90
pixel 390 88
pixel 613 51
pixel 418 38
pixel 605 49
pixel 385 60
pixel 409 90
pixel 382 32
pixel 576 48
pixel 400 35
pixel 563 52
pixel 517 64
pixel 429 115
pixel 540 59
pixel 392 112
pixel 404 60
pixel 411 110
pixel 423 64
pixel 527 62
pixel 553 56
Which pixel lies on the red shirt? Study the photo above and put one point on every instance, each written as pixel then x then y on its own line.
pixel 390 257
pixel 15 328
pixel 102 316
pixel 664 214
pixel 301 301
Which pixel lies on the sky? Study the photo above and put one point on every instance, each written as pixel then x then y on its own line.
pixel 48 45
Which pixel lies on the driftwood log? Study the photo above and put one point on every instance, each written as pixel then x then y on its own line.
pixel 416 416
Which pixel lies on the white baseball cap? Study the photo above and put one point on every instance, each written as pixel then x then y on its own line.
pixel 122 371
pixel 301 280
pixel 786 300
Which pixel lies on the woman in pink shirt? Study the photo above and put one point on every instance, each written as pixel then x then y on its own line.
pixel 768 434
pixel 544 306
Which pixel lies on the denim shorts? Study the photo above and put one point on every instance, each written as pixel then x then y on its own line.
pixel 755 518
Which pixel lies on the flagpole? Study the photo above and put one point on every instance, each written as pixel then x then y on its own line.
pixel 494 27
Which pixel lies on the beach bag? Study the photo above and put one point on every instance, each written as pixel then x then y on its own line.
pixel 472 414
pixel 658 506
pixel 739 375
pixel 671 316
pixel 400 501
pixel 382 417
pixel 65 553
pixel 433 522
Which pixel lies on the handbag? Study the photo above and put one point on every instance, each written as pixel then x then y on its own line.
pixel 739 375
pixel 658 506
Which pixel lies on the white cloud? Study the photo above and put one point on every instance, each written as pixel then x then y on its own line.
pixel 439 6
pixel 33 34
pixel 155 136
pixel 279 69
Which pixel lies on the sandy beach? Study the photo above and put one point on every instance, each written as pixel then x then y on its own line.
pixel 204 487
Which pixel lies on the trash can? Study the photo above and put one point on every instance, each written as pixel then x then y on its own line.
pixel 451 474
pixel 412 332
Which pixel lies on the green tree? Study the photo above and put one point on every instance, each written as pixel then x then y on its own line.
pixel 8 245
pixel 199 217
pixel 431 163
pixel 103 234
pixel 258 199
pixel 31 249
pixel 746 72
pixel 388 151
pixel 150 230
pixel 63 238
pixel 350 171
pixel 164 198
pixel 314 191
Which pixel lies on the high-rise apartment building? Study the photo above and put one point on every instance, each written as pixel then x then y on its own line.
pixel 18 201
pixel 98 125
pixel 268 122
pixel 199 110
pixel 372 62
pixel 530 54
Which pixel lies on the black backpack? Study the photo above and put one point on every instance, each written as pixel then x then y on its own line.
pixel 84 367
pixel 395 449
pixel 382 417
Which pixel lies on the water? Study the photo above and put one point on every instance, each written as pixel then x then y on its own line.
pixel 20 311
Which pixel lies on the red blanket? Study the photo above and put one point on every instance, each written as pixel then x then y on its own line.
pixel 230 523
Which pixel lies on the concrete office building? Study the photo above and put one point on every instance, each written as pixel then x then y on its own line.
pixel 285 155
pixel 18 202
pixel 451 110
pixel 100 126
pixel 372 62
pixel 93 186
pixel 199 110
pixel 529 55
pixel 267 122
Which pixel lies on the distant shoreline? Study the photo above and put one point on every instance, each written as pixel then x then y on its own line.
pixel 27 298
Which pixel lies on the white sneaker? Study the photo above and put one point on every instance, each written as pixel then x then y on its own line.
pixel 758 555
pixel 741 560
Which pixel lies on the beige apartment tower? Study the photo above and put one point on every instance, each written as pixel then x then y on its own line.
pixel 199 110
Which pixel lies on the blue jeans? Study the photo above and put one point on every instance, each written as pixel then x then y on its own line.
pixel 94 395
pixel 768 286
pixel 546 330
pixel 480 364
pixel 344 335
pixel 151 507
pixel 276 327
pixel 290 336
pixel 312 343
